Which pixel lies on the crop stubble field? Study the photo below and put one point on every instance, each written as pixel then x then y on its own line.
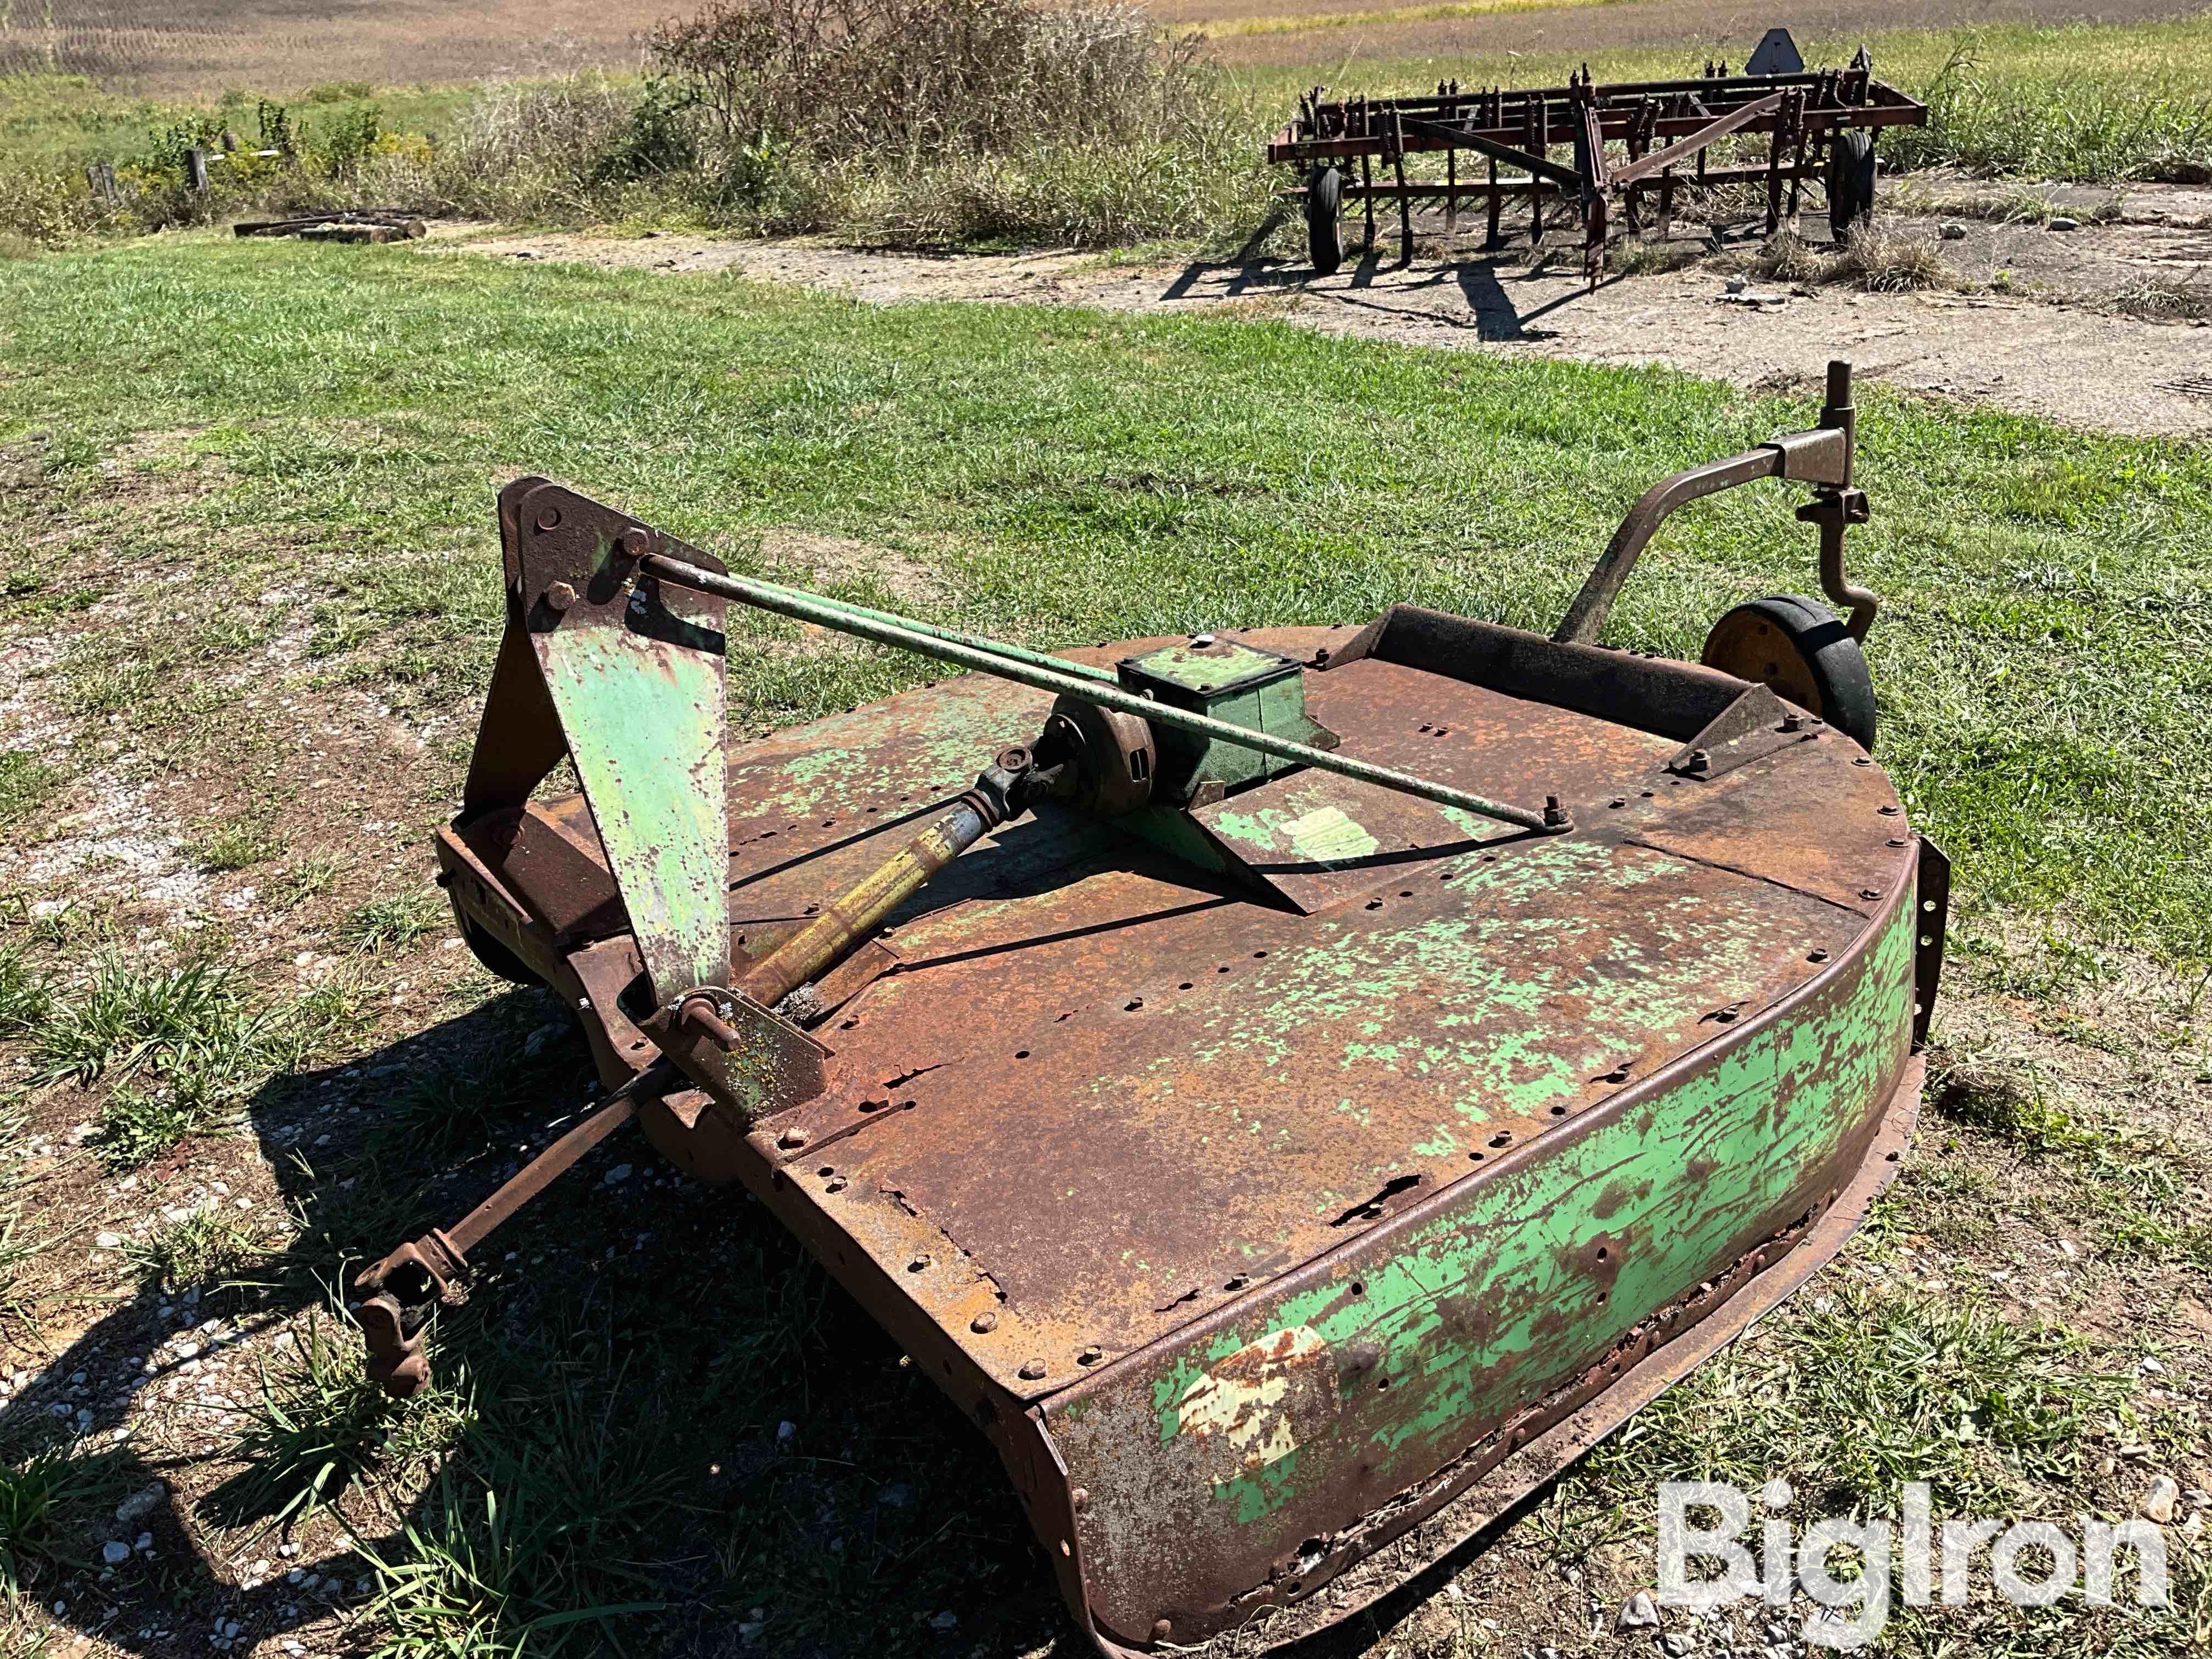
pixel 199 48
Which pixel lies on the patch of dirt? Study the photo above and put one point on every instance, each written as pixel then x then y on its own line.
pixel 2031 326
pixel 825 560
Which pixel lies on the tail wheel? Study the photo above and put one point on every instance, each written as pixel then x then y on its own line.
pixel 1798 649
pixel 1324 206
pixel 1850 181
pixel 496 958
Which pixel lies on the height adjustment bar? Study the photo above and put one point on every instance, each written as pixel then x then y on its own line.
pixel 1822 457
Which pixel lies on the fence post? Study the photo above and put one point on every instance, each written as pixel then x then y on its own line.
pixel 100 179
pixel 196 170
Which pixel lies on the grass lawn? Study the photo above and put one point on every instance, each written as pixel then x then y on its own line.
pixel 251 595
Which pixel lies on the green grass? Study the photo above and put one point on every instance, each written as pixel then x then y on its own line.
pixel 185 1044
pixel 50 1492
pixel 319 1425
pixel 207 1247
pixel 2041 661
pixel 26 783
pixel 602 1468
pixel 240 844
pixel 394 923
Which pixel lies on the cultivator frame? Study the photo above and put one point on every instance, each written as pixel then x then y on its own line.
pixel 1626 141
pixel 1287 1154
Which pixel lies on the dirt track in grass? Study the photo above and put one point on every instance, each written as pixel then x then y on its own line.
pixel 2036 325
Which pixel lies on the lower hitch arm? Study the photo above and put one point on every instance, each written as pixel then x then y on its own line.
pixel 400 1293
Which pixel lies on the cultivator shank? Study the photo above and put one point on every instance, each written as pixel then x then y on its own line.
pixel 1294 1089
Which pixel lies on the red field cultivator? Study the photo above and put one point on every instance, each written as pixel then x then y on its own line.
pixel 1626 146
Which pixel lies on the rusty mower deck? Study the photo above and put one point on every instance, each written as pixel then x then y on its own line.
pixel 1309 1085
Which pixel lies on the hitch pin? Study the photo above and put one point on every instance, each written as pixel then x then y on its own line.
pixel 401 1291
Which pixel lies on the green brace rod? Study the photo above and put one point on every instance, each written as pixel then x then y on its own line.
pixel 1086 685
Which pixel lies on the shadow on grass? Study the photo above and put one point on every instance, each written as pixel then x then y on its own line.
pixel 599 1461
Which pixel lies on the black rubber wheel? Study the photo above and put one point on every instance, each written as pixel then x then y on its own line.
pixel 1850 181
pixel 1324 206
pixel 496 958
pixel 1798 649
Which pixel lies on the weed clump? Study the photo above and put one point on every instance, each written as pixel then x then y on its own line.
pixel 184 1046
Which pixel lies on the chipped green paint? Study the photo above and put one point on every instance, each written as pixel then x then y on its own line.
pixel 1490 1304
pixel 1210 668
pixel 1327 835
pixel 644 721
pixel 1487 978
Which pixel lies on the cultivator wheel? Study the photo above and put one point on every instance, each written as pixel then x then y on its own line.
pixel 1324 206
pixel 1798 649
pixel 1850 181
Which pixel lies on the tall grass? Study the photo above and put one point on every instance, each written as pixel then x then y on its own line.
pixel 1990 112
pixel 917 121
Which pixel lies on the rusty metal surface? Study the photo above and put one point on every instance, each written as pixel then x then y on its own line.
pixel 1318 840
pixel 1157 1155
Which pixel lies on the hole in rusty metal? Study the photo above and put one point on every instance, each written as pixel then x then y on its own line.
pixel 1375 905
pixel 906 1105
pixel 1133 1004
pixel 1405 892
pixel 1501 1138
pixel 1256 954
pixel 1021 1053
pixel 1359 1287
pixel 1373 1207
pixel 1223 969
pixel 1559 1111
pixel 1235 1284
pixel 917 1264
pixel 1185 986
pixel 1722 1016
pixel 826 1170
pixel 1380 1384
pixel 1474 1158
pixel 1088 1357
